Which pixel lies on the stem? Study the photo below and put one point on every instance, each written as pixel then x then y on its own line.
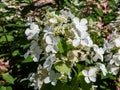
pixel 8 45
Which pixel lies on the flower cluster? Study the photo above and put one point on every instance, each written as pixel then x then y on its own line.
pixel 64 41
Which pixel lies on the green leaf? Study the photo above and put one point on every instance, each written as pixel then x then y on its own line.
pixel 15 53
pixel 8 78
pixel 9 88
pixel 62 67
pixel 118 84
pixel 5 88
pixel 9 38
pixel 2 88
pixel 28 59
pixel 1 29
pixel 98 11
pixel 60 46
pixel 109 17
pixel 63 47
pixel 2 5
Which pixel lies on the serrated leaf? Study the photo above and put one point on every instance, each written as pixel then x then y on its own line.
pixel 62 67
pixel 28 59
pixel 8 78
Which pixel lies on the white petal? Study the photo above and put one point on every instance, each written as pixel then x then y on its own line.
pixel 117 42
pixel 76 21
pixel 47 80
pixel 54 83
pixel 92 72
pixel 53 20
pixel 35 59
pixel 55 49
pixel 87 80
pixel 92 78
pixel 27 31
pixel 83 28
pixel 101 51
pixel 85 72
pixel 49 48
pixel 33 26
pixel 76 42
pixel 48 40
pixel 83 21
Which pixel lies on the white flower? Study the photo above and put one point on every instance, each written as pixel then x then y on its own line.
pixel 52 78
pixel 52 43
pixel 117 42
pixel 83 38
pixel 116 59
pixel 34 51
pixel 102 67
pixel 113 69
pixel 107 45
pixel 80 25
pixel 49 62
pixel 99 53
pixel 90 75
pixel 32 32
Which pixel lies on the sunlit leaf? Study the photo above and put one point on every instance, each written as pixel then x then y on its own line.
pixel 28 59
pixel 118 84
pixel 6 38
pixel 2 88
pixel 8 78
pixel 60 46
pixel 8 88
pixel 62 67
